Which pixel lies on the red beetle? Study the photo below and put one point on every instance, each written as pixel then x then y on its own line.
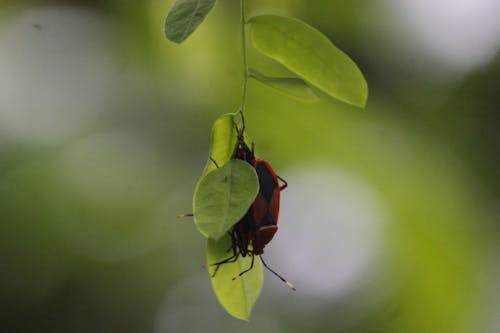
pixel 260 223
pixel 257 228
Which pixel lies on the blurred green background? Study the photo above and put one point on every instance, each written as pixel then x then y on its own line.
pixel 390 220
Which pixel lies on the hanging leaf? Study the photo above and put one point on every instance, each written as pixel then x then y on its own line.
pixel 223 196
pixel 223 141
pixel 239 295
pixel 290 86
pixel 309 54
pixel 184 17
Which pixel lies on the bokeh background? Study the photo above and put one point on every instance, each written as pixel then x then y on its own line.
pixel 391 219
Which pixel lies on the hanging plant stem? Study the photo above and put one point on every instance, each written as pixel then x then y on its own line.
pixel 245 64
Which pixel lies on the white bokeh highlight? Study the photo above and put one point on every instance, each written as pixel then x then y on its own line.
pixel 329 231
pixel 448 34
pixel 56 69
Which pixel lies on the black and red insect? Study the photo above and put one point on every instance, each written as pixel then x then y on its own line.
pixel 258 226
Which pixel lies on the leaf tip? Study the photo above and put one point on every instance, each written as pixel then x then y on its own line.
pixel 364 97
pixel 171 36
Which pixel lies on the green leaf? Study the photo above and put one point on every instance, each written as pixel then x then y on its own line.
pixel 223 197
pixel 309 54
pixel 184 17
pixel 290 86
pixel 236 296
pixel 223 141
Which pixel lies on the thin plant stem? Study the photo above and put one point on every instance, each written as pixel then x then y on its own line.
pixel 245 64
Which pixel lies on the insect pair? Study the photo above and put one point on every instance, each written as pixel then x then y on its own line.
pixel 257 227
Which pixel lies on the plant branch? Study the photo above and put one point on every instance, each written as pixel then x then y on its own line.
pixel 244 56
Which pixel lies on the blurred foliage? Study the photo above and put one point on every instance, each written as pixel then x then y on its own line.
pixel 105 127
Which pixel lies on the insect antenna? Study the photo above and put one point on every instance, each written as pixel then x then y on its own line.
pixel 288 283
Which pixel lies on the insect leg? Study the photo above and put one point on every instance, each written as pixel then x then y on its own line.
pixel 213 161
pixel 285 184
pixel 233 258
pixel 246 270
pixel 234 242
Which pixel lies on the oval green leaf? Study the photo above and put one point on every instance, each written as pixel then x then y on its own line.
pixel 223 196
pixel 239 295
pixel 184 17
pixel 223 141
pixel 290 86
pixel 309 54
